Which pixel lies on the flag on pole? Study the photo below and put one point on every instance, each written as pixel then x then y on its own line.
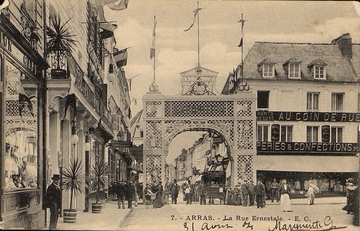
pixel 121 57
pixel 241 42
pixel 195 14
pixel 152 49
pixel 104 34
pixel 122 5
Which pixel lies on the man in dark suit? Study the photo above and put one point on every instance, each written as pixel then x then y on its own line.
pixel 174 189
pixel 260 194
pixel 53 197
pixel 129 193
pixel 120 192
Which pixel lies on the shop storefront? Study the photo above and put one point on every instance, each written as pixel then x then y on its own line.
pixel 329 173
pixel 22 98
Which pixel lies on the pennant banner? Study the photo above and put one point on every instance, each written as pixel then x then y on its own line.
pixel 195 13
pixel 241 42
pixel 122 5
pixel 106 34
pixel 121 57
pixel 152 49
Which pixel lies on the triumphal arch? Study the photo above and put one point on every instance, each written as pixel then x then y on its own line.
pixel 199 108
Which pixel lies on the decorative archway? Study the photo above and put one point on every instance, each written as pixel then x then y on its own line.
pixel 233 116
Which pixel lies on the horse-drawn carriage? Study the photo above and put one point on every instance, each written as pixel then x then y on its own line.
pixel 214 185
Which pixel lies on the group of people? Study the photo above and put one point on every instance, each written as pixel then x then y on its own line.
pixel 154 195
pixel 162 194
pixel 246 194
pixel 125 190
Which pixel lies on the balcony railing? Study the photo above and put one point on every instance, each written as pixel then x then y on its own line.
pixel 83 86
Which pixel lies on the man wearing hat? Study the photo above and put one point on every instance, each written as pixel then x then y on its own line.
pixel 53 198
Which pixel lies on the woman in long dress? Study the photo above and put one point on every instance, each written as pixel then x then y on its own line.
pixel 310 195
pixel 284 198
pixel 158 202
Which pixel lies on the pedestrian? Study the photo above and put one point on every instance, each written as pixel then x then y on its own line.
pixel 148 194
pixel 274 191
pixel 174 189
pixel 310 194
pixel 129 193
pixel 244 193
pixel 260 193
pixel 202 193
pixel 284 196
pixel 157 188
pixel 136 194
pixel 167 191
pixel 53 200
pixel 188 192
pixel 251 187
pixel 351 195
pixel 237 195
pixel 120 193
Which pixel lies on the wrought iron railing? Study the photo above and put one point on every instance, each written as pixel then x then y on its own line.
pixel 83 86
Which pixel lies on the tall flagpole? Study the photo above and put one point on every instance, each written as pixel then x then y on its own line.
pixel 243 84
pixel 153 87
pixel 196 14
pixel 198 34
pixel 154 45
pixel 241 45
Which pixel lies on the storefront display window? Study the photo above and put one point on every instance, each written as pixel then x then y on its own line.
pixel 21 132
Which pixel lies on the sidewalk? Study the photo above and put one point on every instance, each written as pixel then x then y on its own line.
pixel 110 218
pixel 320 200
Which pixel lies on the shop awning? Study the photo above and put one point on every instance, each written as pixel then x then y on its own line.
pixel 307 163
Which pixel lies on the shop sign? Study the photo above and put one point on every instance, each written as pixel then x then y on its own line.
pixel 306 148
pixel 262 115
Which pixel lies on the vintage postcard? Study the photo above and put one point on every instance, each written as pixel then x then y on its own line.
pixel 184 115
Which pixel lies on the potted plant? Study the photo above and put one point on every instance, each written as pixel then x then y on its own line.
pixel 59 45
pixel 99 182
pixel 73 180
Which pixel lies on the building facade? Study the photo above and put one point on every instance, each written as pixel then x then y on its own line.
pixel 62 100
pixel 308 102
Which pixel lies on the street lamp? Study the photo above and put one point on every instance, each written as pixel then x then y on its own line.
pixel 74 138
pixel 111 76
pixel 87 148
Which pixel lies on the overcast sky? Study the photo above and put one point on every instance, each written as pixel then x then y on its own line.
pixel 176 50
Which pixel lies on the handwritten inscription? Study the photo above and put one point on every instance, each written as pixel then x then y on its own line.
pixel 254 222
pixel 326 224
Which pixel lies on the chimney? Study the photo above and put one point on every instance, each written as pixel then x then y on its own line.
pixel 344 43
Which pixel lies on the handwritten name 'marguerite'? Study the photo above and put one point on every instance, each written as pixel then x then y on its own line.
pixel 316 225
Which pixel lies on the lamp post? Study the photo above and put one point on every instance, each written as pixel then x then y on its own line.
pixel 74 138
pixel 60 164
pixel 87 172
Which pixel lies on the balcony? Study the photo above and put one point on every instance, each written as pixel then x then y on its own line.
pixel 69 70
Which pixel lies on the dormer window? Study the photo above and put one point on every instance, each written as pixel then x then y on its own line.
pixel 319 72
pixel 318 69
pixel 267 68
pixel 292 68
